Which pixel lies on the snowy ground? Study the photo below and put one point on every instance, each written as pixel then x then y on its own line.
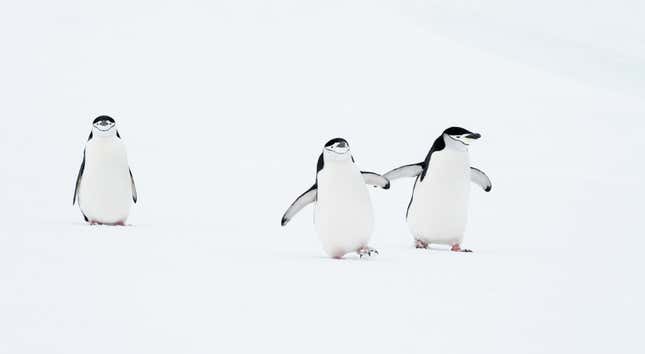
pixel 224 109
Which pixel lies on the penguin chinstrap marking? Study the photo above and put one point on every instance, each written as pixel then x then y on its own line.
pixel 343 215
pixel 105 187
pixel 438 209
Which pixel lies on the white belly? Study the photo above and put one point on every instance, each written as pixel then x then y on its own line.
pixel 343 215
pixel 439 209
pixel 105 192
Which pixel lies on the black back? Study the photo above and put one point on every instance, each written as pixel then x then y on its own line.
pixel 321 163
pixel 438 145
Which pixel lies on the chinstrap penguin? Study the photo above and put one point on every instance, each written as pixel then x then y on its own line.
pixel 343 215
pixel 105 186
pixel 438 209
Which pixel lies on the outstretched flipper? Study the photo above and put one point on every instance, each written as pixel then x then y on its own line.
pixel 413 171
pixel 78 179
pixel 376 180
pixel 134 188
pixel 302 201
pixel 479 178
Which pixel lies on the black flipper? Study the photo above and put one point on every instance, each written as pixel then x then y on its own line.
pixel 376 180
pixel 134 188
pixel 413 170
pixel 407 211
pixel 302 201
pixel 78 179
pixel 478 177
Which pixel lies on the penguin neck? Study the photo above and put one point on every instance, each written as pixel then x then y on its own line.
pixel 454 145
pixel 331 157
pixel 110 134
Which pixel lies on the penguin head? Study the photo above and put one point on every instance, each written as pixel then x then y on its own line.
pixel 460 135
pixel 104 126
pixel 337 149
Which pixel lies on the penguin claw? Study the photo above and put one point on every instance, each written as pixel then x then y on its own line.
pixel 421 244
pixel 366 251
pixel 457 248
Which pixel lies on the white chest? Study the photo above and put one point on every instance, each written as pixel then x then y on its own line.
pixel 439 208
pixel 448 169
pixel 105 191
pixel 343 212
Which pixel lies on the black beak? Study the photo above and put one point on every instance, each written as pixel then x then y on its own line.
pixel 473 136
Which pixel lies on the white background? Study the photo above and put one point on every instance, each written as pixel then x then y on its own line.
pixel 224 108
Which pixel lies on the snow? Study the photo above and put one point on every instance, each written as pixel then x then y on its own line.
pixel 221 108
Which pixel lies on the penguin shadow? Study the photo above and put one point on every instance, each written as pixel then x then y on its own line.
pixel 352 258
pixel 83 223
pixel 446 250
pixel 98 226
pixel 438 249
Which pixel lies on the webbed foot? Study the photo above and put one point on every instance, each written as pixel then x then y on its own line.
pixel 366 251
pixel 421 244
pixel 457 248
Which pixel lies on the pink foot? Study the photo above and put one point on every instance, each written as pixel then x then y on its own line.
pixel 421 244
pixel 366 251
pixel 120 223
pixel 457 248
